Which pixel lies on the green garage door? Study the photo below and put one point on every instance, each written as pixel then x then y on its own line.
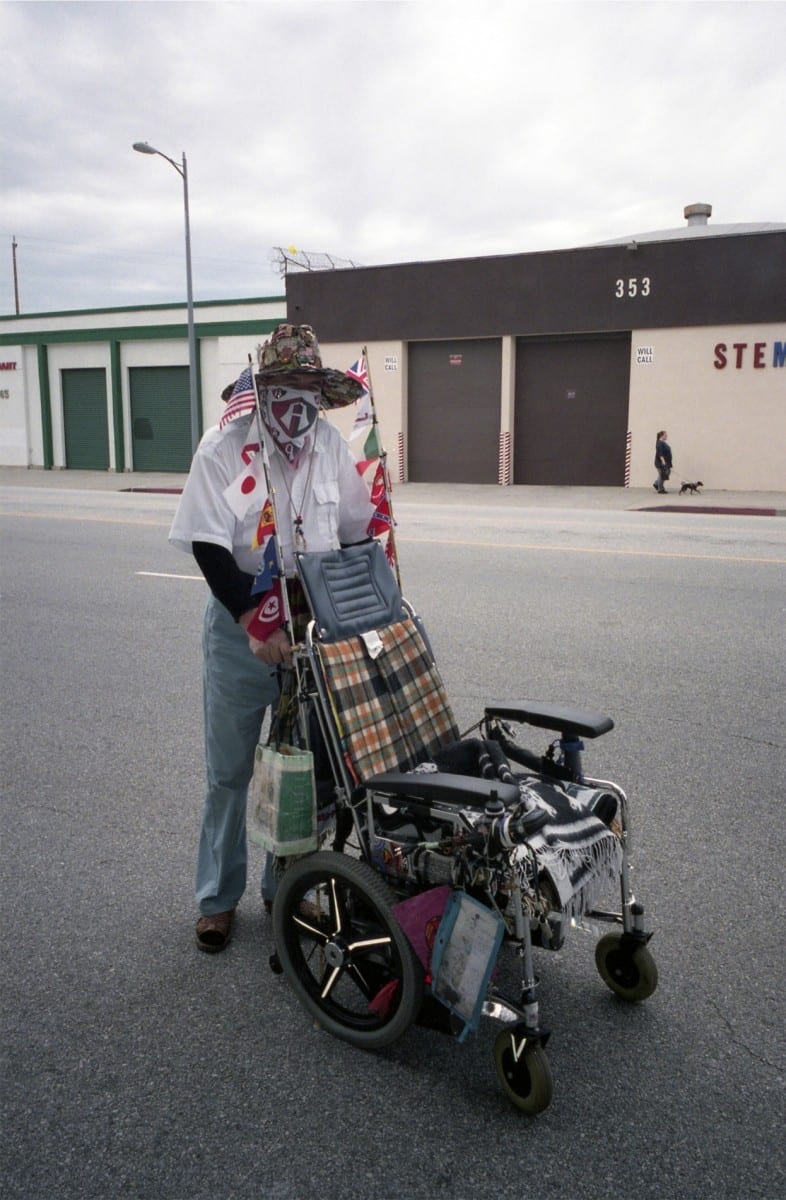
pixel 84 419
pixel 160 418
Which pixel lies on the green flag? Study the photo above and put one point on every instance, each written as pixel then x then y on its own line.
pixel 371 446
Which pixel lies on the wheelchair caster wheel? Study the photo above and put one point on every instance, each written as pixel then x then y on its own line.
pixel 523 1070
pixel 627 968
pixel 274 962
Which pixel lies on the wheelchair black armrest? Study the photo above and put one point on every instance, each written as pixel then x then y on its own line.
pixel 560 717
pixel 462 791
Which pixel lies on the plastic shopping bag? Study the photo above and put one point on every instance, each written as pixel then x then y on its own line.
pixel 282 795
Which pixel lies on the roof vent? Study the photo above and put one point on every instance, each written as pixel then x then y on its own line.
pixel 698 214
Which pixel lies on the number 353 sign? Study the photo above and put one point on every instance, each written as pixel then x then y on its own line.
pixel 632 287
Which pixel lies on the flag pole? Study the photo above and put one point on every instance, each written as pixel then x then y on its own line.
pixel 271 491
pixel 383 458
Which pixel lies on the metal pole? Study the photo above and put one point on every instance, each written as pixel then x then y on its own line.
pixel 182 170
pixel 16 277
pixel 192 366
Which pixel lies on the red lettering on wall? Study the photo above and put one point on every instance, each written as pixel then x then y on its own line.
pixel 758 358
pixel 9 366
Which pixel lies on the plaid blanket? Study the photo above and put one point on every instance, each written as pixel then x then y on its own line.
pixel 391 709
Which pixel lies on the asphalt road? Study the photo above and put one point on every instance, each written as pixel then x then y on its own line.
pixel 135 1067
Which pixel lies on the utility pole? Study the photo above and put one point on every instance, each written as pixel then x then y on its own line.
pixel 16 277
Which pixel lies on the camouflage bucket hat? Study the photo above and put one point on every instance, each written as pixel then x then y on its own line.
pixel 291 356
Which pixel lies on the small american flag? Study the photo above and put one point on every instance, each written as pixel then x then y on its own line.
pixel 243 399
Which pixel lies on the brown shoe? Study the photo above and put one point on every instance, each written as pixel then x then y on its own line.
pixel 214 933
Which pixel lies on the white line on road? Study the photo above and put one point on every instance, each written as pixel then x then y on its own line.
pixel 165 575
pixel 635 553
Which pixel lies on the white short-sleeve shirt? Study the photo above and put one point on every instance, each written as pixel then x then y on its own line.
pixel 325 488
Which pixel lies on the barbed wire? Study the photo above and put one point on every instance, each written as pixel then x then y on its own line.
pixel 286 259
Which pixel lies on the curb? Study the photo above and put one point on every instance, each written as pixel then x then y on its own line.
pixel 727 510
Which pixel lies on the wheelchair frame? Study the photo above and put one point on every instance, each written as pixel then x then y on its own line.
pixel 352 933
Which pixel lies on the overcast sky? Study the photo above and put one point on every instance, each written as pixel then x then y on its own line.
pixel 376 131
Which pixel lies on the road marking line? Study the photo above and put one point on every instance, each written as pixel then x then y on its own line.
pixel 166 575
pixel 50 516
pixel 594 550
pixel 729 558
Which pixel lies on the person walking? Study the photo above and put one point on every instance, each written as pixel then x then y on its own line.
pixel 321 503
pixel 662 461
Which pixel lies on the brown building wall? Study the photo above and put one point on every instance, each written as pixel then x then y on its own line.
pixel 708 280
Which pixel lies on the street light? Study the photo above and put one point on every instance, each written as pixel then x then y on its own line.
pixel 182 170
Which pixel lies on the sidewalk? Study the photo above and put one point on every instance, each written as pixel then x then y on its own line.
pixel 517 496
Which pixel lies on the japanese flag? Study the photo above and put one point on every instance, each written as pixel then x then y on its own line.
pixel 247 488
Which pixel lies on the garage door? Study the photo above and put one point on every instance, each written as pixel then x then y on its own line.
pixel 571 410
pixel 85 423
pixel 453 412
pixel 160 418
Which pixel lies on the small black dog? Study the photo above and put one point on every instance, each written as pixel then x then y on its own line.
pixel 691 487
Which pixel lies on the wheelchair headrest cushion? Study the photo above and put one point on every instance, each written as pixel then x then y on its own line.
pixel 351 591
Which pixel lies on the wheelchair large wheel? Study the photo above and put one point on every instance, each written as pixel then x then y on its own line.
pixel 629 971
pixel 343 951
pixel 523 1071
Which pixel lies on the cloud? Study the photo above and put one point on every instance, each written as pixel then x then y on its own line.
pixel 376 131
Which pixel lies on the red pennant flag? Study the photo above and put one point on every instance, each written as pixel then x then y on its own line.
pixel 269 615
pixel 390 552
pixel 378 489
pixel 363 465
pixel 382 521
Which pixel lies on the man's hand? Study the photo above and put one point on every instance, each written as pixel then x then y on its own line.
pixel 274 652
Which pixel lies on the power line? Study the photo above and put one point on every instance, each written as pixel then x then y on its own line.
pixel 99 254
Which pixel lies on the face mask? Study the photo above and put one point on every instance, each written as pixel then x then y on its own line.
pixel 290 415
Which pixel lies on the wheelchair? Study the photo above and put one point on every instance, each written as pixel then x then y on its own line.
pixel 445 848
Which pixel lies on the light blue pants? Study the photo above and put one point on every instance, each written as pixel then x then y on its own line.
pixel 237 691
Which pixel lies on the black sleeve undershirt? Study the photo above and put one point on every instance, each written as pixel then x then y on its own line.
pixel 226 581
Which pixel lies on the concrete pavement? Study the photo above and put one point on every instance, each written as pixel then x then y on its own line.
pixel 137 1068
pixel 516 496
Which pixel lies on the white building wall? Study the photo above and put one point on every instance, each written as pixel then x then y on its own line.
pixel 13 407
pixel 169 353
pixel 387 364
pixel 228 356
pixel 176 314
pixel 725 411
pixel 33 420
pixel 221 359
pixel 76 356
pixel 726 423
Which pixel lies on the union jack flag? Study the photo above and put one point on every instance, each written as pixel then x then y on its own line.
pixel 359 372
pixel 243 399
